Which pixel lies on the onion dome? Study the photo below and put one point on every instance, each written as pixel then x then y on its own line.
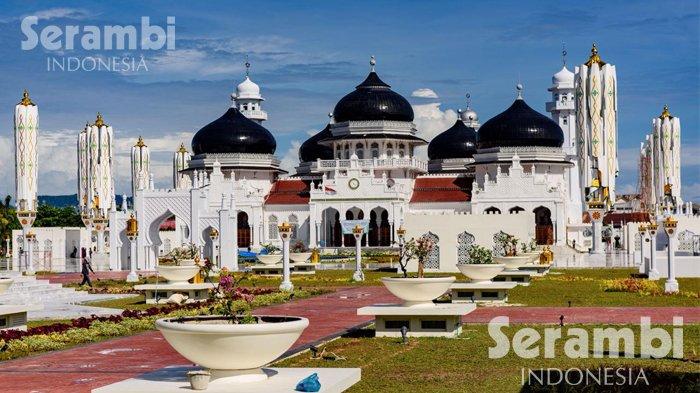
pixel 520 125
pixel 311 150
pixel 564 76
pixel 373 100
pixel 233 133
pixel 458 141
pixel 248 89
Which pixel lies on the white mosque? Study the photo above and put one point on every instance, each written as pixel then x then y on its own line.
pixel 362 168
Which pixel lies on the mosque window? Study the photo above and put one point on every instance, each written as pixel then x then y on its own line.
pixel 294 222
pixel 465 240
pixel 433 259
pixel 375 150
pixel 360 150
pixel 564 121
pixel 273 231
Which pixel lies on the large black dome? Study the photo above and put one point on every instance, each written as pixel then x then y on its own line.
pixel 311 150
pixel 520 125
pixel 233 133
pixel 373 100
pixel 458 141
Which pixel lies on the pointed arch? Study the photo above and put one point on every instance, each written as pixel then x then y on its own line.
pixel 272 228
pixel 465 241
pixel 433 259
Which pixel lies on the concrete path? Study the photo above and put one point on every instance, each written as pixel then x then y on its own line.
pixel 81 369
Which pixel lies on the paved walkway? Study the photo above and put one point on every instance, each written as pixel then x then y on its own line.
pixel 81 369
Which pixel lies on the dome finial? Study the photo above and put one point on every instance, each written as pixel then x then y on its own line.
pixel 519 88
pixel 469 100
pixel 182 148
pixel 372 63
pixel 247 66
pixel 594 57
pixel 563 53
pixel 140 142
pixel 665 113
pixel 26 101
pixel 99 122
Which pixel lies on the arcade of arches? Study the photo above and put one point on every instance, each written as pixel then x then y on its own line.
pixel 379 228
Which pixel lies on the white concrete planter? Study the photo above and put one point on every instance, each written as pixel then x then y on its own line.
pixel 199 380
pixel 232 352
pixel 186 262
pixel 177 274
pixel 418 291
pixel 270 259
pixel 5 282
pixel 535 255
pixel 481 272
pixel 513 263
pixel 299 257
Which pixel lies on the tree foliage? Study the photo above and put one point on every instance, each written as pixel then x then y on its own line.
pixel 52 216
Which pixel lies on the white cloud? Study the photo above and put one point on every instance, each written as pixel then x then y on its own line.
pixel 430 120
pixel 424 93
pixel 55 13
pixel 290 160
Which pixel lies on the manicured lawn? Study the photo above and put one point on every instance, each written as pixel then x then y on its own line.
pixel 137 302
pixel 584 287
pixel 459 365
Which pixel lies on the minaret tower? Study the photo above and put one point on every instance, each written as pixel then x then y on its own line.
pixel 666 134
pixel 247 98
pixel 181 161
pixel 26 127
pixel 596 128
pixel 563 112
pixel 101 155
pixel 140 166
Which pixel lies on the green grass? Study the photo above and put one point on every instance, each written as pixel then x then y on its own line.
pixel 137 302
pixel 583 287
pixel 462 365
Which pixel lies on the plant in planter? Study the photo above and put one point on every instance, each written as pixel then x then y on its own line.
pixel 270 254
pixel 506 251
pixel 233 344
pixel 419 291
pixel 480 267
pixel 299 252
pixel 179 265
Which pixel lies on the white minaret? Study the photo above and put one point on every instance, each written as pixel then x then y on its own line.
pixel 100 137
pixel 84 199
pixel 140 166
pixel 247 98
pixel 26 128
pixel 563 112
pixel 596 127
pixel 181 161
pixel 666 131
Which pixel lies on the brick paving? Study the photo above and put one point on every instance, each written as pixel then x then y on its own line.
pixel 81 369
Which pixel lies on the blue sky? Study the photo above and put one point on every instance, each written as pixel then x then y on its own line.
pixel 307 55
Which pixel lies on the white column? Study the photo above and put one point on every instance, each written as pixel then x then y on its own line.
pixel 358 275
pixel 671 285
pixel 133 255
pixel 7 247
pixel 653 271
pixel 644 267
pixel 30 257
pixel 597 248
pixel 286 285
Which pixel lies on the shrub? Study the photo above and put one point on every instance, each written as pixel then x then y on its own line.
pixel 479 255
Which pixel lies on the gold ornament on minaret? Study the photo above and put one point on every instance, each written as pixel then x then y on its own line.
pixel 594 57
pixel 26 101
pixel 665 114
pixel 182 148
pixel 140 142
pixel 99 122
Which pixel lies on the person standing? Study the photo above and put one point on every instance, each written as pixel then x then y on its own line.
pixel 86 269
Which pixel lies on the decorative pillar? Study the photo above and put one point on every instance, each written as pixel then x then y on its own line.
pixel 30 238
pixel 285 231
pixel 653 271
pixel 26 127
pixel 140 166
pixel 7 246
pixel 181 161
pixel 644 268
pixel 132 232
pixel 596 209
pixel 670 225
pixel 214 236
pixel 357 231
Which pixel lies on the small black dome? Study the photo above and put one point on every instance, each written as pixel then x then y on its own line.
pixel 311 150
pixel 373 100
pixel 233 133
pixel 458 141
pixel 520 125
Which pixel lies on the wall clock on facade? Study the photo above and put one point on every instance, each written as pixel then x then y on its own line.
pixel 353 184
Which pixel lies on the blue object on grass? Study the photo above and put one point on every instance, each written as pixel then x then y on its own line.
pixel 309 384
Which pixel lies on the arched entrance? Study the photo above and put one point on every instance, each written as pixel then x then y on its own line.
pixel 243 230
pixel 379 228
pixel 353 214
pixel 544 229
pixel 332 231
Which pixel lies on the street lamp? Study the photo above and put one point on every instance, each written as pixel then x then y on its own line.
pixel 653 272
pixel 642 236
pixel 132 232
pixel 214 236
pixel 357 231
pixel 670 225
pixel 285 231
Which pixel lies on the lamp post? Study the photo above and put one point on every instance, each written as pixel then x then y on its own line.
pixel 285 231
pixel 214 236
pixel 596 209
pixel 357 232
pixel 670 225
pixel 132 232
pixel 653 271
pixel 642 237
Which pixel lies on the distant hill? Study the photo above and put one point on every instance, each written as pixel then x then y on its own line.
pixel 70 200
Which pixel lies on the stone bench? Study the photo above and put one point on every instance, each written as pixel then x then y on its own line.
pixel 155 292
pixel 13 317
pixel 521 277
pixel 493 291
pixel 438 320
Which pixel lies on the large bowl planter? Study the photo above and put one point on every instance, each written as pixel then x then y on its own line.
pixel 299 257
pixel 418 291
pixel 270 259
pixel 5 282
pixel 481 272
pixel 232 352
pixel 513 263
pixel 177 274
pixel 535 255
